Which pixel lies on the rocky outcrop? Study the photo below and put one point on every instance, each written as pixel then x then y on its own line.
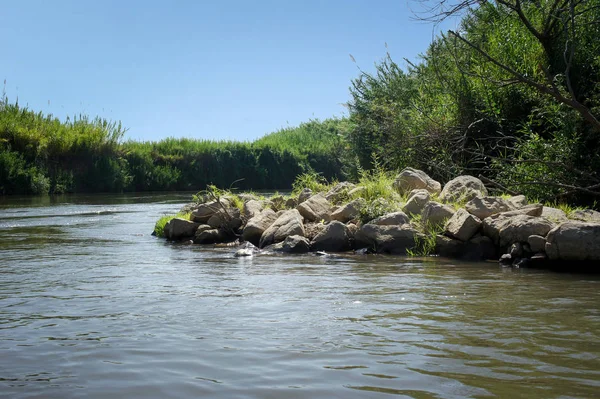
pixel 315 208
pixel 536 243
pixel 435 214
pixel 335 237
pixel 227 219
pixel 210 236
pixel 340 191
pixel 349 211
pixel 177 229
pixel 409 179
pixel 483 207
pixel 204 211
pixel 388 239
pixel 288 224
pixel 256 226
pixel 554 214
pixel 574 241
pixel 252 208
pixel 462 225
pixel 391 219
pixel 463 188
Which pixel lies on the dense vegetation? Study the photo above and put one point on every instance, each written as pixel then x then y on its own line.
pixel 40 154
pixel 512 95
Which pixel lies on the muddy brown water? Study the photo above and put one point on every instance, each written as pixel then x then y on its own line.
pixel 93 306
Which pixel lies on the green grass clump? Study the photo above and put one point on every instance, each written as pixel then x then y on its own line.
pixel 311 180
pixel 159 227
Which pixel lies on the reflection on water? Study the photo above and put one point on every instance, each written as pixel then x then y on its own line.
pixel 91 305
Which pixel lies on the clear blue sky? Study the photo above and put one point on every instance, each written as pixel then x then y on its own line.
pixel 211 70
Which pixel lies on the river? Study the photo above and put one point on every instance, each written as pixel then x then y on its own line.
pixel 93 306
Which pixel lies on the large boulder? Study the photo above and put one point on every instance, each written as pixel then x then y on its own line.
pixel 226 218
pixel 483 207
pixel 416 202
pixel 436 214
pixel 288 224
pixel 252 208
pixel 574 241
pixel 507 230
pixel 463 188
pixel 257 225
pixel 349 211
pixel 210 236
pixel 207 209
pixel 335 237
pixel 295 245
pixel 586 215
pixel 177 229
pixel 529 210
pixel 536 243
pixel 315 208
pixel 462 225
pixel 409 179
pixel 340 191
pixel 554 214
pixel 391 219
pixel 387 239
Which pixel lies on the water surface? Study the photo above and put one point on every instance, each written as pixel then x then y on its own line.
pixel 93 306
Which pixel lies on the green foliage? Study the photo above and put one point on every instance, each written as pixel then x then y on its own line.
pixel 159 227
pixel 311 180
pixel 425 242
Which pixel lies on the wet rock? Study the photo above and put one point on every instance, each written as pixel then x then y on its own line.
pixel 409 179
pixel 516 250
pixel 536 243
pixel 480 248
pixel 335 237
pixel 177 229
pixel 211 236
pixel 387 239
pixel 506 230
pixel 506 260
pixel 574 241
pixel 463 188
pixel 256 226
pixel 462 225
pixel 295 245
pixel 449 247
pixel 288 224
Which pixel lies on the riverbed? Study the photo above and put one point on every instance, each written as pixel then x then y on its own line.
pixel 92 305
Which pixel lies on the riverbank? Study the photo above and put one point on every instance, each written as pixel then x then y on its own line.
pixel 410 214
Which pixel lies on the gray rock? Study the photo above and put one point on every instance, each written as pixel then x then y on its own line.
pixel 335 237
pixel 516 250
pixel 295 245
pixel 340 191
pixel 462 225
pixel 304 195
pixel 507 230
pixel 252 208
pixel 409 179
pixel 506 260
pixel 228 219
pixel 211 236
pixel 436 214
pixel 349 211
pixel 586 215
pixel 177 229
pixel 554 214
pixel 291 203
pixel 483 207
pixel 518 201
pixel 463 188
pixel 574 241
pixel 206 210
pixel 536 243
pixel 391 219
pixel 449 247
pixel 416 202
pixel 315 208
pixel 256 226
pixel 288 224
pixel 480 248
pixel 529 210
pixel 387 239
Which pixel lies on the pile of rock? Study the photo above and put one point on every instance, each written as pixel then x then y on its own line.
pixel 486 227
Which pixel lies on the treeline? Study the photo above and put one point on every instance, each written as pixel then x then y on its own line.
pixel 40 154
pixel 513 95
